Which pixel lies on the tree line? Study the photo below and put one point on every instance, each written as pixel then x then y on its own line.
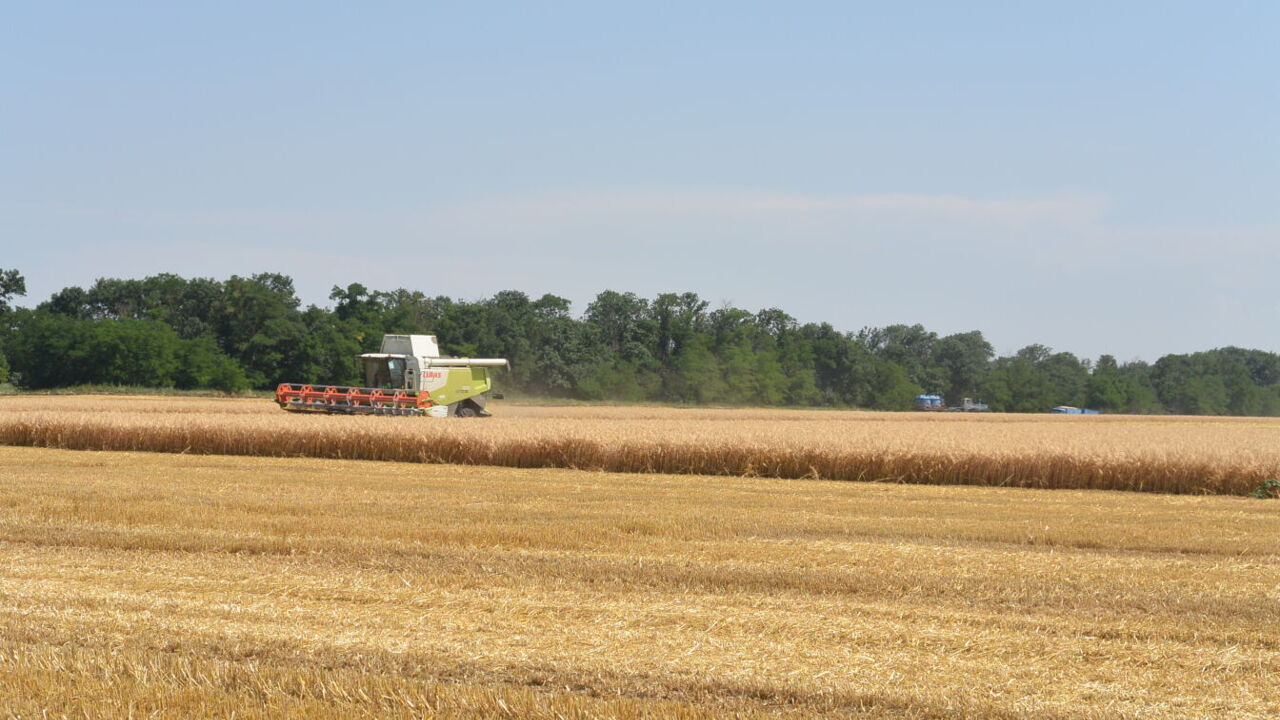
pixel 253 332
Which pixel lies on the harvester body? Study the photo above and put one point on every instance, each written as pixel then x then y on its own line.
pixel 408 376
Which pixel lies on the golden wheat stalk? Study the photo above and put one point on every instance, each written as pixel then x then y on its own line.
pixel 1139 454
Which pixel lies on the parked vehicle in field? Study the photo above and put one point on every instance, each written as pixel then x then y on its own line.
pixel 1069 410
pixel 930 403
pixel 935 403
pixel 407 377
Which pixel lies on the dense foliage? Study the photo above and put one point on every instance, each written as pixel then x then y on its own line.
pixel 168 331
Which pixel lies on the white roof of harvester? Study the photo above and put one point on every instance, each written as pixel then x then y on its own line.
pixel 415 345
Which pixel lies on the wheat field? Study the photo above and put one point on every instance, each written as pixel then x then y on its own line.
pixel 1161 454
pixel 147 585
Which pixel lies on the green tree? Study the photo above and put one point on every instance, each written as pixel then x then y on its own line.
pixel 677 319
pixel 624 380
pixel 412 312
pixel 1105 389
pixel 695 373
pixel 890 387
pixel 1205 396
pixel 201 332
pixel 330 349
pixel 258 323
pixel 623 325
pixel 781 334
pixel 909 346
pixel 12 285
pixel 1018 384
pixel 748 359
pixel 835 357
pixel 49 350
pixel 560 349
pixel 53 350
pixel 71 301
pixel 142 353
pixel 963 360
pixel 1067 378
pixel 203 365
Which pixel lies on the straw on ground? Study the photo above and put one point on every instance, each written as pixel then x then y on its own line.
pixel 171 586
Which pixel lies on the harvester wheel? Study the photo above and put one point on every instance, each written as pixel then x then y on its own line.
pixel 465 410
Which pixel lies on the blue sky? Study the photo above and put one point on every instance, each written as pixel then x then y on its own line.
pixel 1098 177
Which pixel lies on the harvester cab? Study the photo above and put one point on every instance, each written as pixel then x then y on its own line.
pixel 407 377
pixel 399 364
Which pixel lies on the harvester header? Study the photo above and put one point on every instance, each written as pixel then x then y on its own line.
pixel 407 377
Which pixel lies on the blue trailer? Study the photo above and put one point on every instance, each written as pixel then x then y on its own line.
pixel 930 402
pixel 1068 410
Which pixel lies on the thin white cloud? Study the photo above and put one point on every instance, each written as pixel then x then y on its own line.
pixel 729 206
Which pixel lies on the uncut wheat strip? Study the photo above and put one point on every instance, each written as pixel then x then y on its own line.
pixel 1024 471
pixel 1035 469
pixel 1233 441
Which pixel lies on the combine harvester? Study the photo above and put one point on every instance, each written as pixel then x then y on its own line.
pixel 408 377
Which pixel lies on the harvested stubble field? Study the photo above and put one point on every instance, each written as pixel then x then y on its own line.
pixel 1161 454
pixel 176 586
